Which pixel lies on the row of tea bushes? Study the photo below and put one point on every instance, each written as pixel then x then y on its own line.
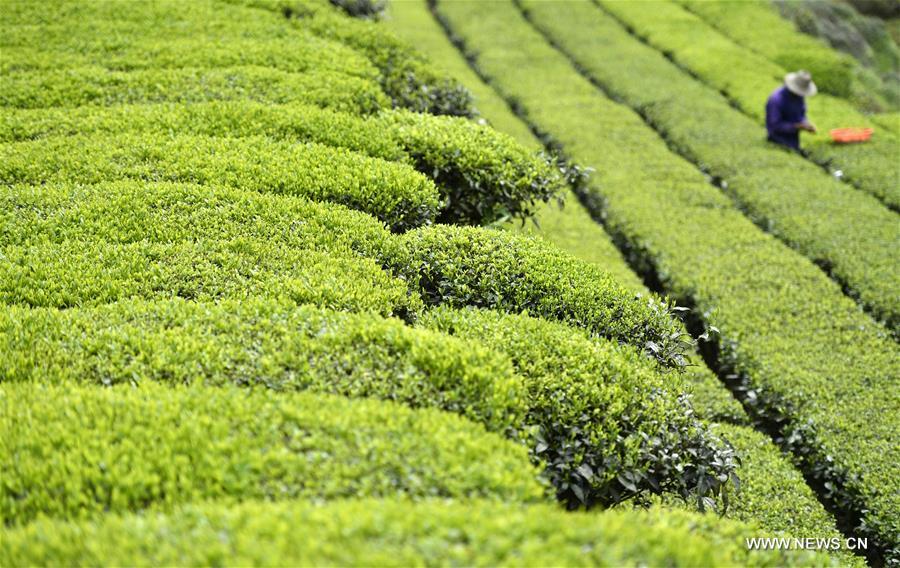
pixel 393 193
pixel 261 342
pixel 395 532
pixel 74 452
pixel 96 86
pixel 747 79
pixel 843 229
pixel 785 330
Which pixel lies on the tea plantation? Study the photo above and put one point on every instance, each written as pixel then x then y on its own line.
pixel 439 282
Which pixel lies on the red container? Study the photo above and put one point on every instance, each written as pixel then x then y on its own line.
pixel 846 135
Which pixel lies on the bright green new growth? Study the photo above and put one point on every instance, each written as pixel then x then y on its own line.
pixel 74 452
pixel 262 342
pixel 395 533
pixel 91 273
pixel 462 266
pixel 610 425
pixel 394 193
pixel 97 86
pixel 124 212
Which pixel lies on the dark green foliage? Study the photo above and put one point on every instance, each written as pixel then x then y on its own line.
pixel 262 342
pixel 396 533
pixel 394 193
pixel 610 425
pixel 459 266
pixel 74 452
pixel 361 8
pixel 486 176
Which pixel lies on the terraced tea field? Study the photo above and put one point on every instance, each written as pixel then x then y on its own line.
pixel 439 282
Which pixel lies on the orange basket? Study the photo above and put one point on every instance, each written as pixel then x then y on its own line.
pixel 846 135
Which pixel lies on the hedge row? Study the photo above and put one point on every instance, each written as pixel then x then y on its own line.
pixel 847 231
pixel 610 426
pixel 75 452
pixel 809 359
pixel 465 266
pixel 484 176
pixel 394 193
pixel 406 76
pixel 747 79
pixel 239 118
pixel 125 212
pixel 395 533
pixel 777 39
pixel 96 86
pixel 264 342
pixel 298 53
pixel 91 273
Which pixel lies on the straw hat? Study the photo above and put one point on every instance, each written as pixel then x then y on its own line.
pixel 800 83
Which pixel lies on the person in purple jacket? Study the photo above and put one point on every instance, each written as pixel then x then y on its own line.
pixel 786 109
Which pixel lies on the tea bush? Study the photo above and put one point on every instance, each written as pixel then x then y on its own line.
pixel 80 86
pixel 125 212
pixel 264 342
pixel 394 193
pixel 395 533
pixel 483 175
pixel 610 426
pixel 74 452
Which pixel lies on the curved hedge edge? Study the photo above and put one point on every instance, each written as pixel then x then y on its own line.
pixel 393 192
pixel 395 533
pixel 73 452
pixel 262 342
pixel 467 266
pixel 92 273
pixel 486 175
pixel 610 426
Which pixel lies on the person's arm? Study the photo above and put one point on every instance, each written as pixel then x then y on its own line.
pixel 774 121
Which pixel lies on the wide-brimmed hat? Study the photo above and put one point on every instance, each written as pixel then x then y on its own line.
pixel 800 83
